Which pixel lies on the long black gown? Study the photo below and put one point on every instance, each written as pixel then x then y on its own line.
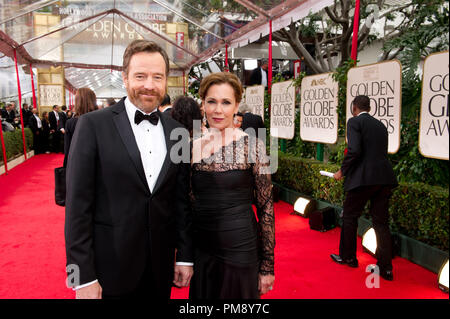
pixel 231 246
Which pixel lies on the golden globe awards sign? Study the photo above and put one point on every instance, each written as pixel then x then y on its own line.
pixel 254 98
pixel 433 134
pixel 318 113
pixel 282 115
pixel 381 82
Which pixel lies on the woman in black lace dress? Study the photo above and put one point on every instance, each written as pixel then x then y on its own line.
pixel 230 171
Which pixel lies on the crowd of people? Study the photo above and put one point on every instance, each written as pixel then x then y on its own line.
pixel 49 128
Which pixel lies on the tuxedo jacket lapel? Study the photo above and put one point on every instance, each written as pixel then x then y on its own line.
pixel 167 162
pixel 123 126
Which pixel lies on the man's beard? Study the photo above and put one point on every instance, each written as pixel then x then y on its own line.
pixel 143 103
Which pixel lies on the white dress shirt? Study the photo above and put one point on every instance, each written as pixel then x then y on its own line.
pixel 151 143
pixel 38 120
pixel 57 116
pixel 263 77
pixel 152 147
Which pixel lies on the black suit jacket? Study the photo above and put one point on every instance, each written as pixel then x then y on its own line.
pixel 114 224
pixel 70 129
pixel 32 123
pixel 366 162
pixel 10 116
pixel 62 120
pixel 254 121
pixel 256 77
pixel 26 114
pixel 53 121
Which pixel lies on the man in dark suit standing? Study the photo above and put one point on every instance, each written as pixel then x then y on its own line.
pixel 10 113
pixel 26 114
pixel 62 128
pixel 35 124
pixel 166 105
pixel 251 123
pixel 55 133
pixel 368 177
pixel 259 75
pixel 127 203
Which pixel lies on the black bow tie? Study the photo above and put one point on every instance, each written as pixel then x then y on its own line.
pixel 152 118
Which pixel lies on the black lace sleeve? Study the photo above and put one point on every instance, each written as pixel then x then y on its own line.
pixel 264 205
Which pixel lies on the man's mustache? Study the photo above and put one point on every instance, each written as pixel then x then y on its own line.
pixel 154 93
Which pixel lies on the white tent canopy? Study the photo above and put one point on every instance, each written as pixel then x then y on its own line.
pixel 88 37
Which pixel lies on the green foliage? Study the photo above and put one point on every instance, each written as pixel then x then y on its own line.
pixel 337 154
pixel 340 76
pixel 421 212
pixel 416 210
pixel 428 33
pixel 14 144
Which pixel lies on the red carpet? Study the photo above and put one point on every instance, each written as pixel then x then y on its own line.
pixel 32 254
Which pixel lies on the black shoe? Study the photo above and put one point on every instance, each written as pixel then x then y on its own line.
pixel 349 262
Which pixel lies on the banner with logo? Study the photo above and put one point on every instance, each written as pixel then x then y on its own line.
pixel 382 83
pixel 254 98
pixel 318 109
pixel 433 133
pixel 282 116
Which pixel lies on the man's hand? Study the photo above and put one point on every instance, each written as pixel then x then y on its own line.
pixel 183 275
pixel 338 175
pixel 93 291
pixel 265 283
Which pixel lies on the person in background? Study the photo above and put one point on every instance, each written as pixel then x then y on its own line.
pixel 26 114
pixel 251 123
pixel 85 102
pixel 55 134
pixel 237 121
pixel 45 133
pixel 185 110
pixel 10 113
pixel 368 177
pixel 166 105
pixel 259 75
pixel 61 127
pixel 6 126
pixel 62 119
pixel 35 125
pixel 110 102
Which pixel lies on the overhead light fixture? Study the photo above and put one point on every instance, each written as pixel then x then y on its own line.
pixel 369 241
pixel 443 277
pixel 304 206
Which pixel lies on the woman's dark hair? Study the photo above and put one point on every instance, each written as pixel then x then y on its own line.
pixel 362 102
pixel 185 110
pixel 166 100
pixel 85 101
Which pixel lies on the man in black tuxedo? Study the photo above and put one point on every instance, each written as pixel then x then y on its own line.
pixel 62 128
pixel 251 121
pixel 55 133
pixel 10 113
pixel 127 204
pixel 259 75
pixel 166 105
pixel 368 177
pixel 26 114
pixel 35 125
